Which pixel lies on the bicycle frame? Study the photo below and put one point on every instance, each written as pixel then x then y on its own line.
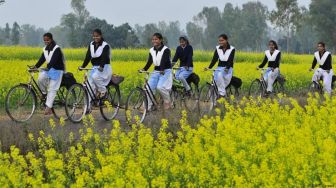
pixel 32 84
pixel 87 86
pixel 147 89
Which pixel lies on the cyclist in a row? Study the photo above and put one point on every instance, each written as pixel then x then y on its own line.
pixel 99 53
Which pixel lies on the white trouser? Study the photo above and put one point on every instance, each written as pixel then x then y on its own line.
pixel 99 80
pixel 327 78
pixel 48 85
pixel 223 79
pixel 270 77
pixel 163 83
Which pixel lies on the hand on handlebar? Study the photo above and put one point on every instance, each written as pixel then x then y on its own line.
pixel 206 68
pixel 311 69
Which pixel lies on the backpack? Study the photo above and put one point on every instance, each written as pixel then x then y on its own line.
pixel 68 80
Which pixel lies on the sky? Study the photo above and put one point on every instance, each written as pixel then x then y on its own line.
pixel 47 13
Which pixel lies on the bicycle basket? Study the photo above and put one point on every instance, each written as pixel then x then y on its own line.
pixel 281 79
pixel 68 80
pixel 116 79
pixel 193 78
pixel 236 82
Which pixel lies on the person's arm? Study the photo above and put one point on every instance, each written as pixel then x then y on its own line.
pixel 40 61
pixel 231 59
pixel 214 59
pixel 55 59
pixel 277 61
pixel 87 58
pixel 314 63
pixel 190 56
pixel 176 56
pixel 264 62
pixel 165 59
pixel 328 62
pixel 149 62
pixel 105 56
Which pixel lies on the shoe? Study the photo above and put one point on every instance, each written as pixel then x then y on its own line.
pixel 188 93
pixel 48 111
pixel 167 106
pixel 88 111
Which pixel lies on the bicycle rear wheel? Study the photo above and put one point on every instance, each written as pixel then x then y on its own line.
pixel 76 103
pixel 256 89
pixel 59 104
pixel 206 100
pixel 109 107
pixel 20 103
pixel 136 106
pixel 191 101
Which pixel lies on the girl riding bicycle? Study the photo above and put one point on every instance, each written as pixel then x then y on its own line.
pixel 99 53
pixel 324 59
pixel 49 80
pixel 184 53
pixel 161 78
pixel 224 54
pixel 273 57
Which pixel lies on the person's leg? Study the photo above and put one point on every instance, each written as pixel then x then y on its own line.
pixel 43 81
pixel 317 75
pixel 327 79
pixel 227 78
pixel 184 74
pixel 53 87
pixel 152 82
pixel 164 87
pixel 102 79
pixel 92 89
pixel 271 79
pixel 219 78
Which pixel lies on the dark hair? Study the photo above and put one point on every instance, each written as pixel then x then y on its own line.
pixel 184 38
pixel 98 31
pixel 322 43
pixel 159 36
pixel 224 36
pixel 275 44
pixel 49 35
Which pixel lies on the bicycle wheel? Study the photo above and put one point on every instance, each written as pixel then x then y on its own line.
pixel 191 101
pixel 76 103
pixel 59 104
pixel 109 107
pixel 136 106
pixel 278 88
pixel 256 89
pixel 206 100
pixel 315 87
pixel 20 103
pixel 175 98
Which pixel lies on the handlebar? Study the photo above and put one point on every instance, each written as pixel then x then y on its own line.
pixel 86 69
pixel 142 71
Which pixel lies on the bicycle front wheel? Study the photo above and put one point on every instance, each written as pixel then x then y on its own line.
pixel 136 106
pixel 76 103
pixel 20 103
pixel 206 99
pixel 59 104
pixel 256 89
pixel 109 107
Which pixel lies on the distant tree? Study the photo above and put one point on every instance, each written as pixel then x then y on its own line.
pixel 75 23
pixel 31 35
pixel 61 35
pixel 195 34
pixel 2 1
pixel 146 35
pixel 7 34
pixel 286 17
pixel 253 27
pixel 15 34
pixel 323 16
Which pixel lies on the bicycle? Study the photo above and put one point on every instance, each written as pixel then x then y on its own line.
pixel 258 87
pixel 180 97
pixel 77 100
pixel 137 101
pixel 318 86
pixel 209 94
pixel 22 99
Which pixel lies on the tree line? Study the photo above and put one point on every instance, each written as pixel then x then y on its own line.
pixel 250 26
